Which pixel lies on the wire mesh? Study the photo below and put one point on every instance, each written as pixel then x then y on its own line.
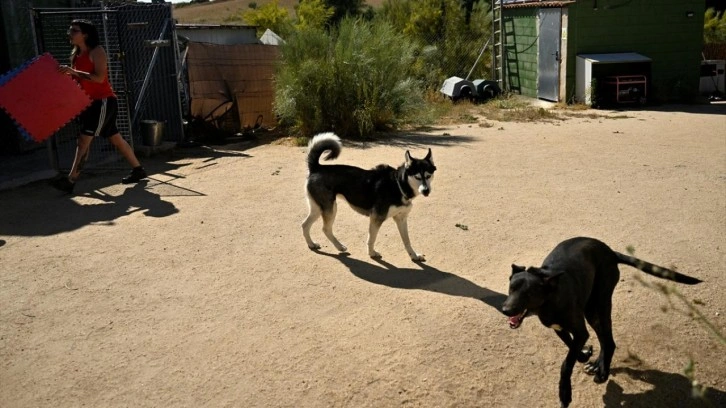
pixel 51 26
pixel 150 54
pixel 139 40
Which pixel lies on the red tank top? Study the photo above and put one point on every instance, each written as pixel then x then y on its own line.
pixel 96 90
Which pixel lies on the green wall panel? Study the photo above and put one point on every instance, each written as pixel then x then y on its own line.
pixel 520 27
pixel 668 31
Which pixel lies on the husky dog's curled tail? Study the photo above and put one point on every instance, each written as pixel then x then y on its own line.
pixel 318 145
pixel 655 270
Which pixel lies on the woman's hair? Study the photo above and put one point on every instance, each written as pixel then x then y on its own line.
pixel 91 35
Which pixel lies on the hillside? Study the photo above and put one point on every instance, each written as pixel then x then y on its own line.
pixel 223 11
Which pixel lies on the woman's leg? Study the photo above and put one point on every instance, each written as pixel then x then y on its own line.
pixel 137 172
pixel 79 161
pixel 66 184
pixel 125 149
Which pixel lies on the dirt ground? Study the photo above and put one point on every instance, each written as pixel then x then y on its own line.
pixel 196 288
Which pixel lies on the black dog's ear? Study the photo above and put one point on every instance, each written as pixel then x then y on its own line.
pixel 550 278
pixel 517 269
pixel 544 273
pixel 429 158
pixel 408 159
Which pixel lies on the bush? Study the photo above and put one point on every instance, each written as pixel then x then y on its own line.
pixel 353 80
pixel 714 26
pixel 448 44
pixel 312 14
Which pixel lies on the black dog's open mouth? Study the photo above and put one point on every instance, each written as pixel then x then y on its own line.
pixel 516 321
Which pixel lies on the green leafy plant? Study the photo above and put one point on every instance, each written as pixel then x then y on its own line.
pixel 269 16
pixel 714 26
pixel 447 44
pixel 312 14
pixel 353 80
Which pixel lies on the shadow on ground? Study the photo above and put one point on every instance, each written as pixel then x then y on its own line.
pixel 437 137
pixel 44 216
pixel 670 387
pixel 426 278
pixel 718 108
pixel 37 209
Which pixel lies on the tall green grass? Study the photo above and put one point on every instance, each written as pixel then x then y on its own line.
pixel 353 80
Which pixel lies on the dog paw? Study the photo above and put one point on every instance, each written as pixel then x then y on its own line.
pixel 418 258
pixel 600 378
pixel 594 368
pixel 341 248
pixel 585 355
pixel 314 246
pixel 565 394
pixel 374 254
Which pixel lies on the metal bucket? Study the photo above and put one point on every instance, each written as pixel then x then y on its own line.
pixel 152 132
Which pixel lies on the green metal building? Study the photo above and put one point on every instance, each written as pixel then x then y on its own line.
pixel 597 50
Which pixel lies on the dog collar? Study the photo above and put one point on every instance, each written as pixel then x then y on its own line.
pixel 405 196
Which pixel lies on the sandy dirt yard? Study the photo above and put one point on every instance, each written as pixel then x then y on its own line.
pixel 196 288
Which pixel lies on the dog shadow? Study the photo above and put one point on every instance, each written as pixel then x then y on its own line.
pixel 668 390
pixel 427 278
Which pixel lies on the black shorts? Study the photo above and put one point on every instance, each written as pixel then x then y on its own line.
pixel 99 119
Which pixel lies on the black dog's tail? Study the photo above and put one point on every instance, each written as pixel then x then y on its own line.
pixel 656 270
pixel 318 145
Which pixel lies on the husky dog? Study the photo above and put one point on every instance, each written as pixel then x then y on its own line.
pixel 378 193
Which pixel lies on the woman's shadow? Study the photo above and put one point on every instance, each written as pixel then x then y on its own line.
pixel 37 218
pixel 426 278
pixel 668 390
pixel 137 198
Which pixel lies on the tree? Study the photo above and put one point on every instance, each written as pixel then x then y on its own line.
pixel 344 8
pixel 271 16
pixel 312 14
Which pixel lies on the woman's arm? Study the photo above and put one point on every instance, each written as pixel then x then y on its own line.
pixel 100 63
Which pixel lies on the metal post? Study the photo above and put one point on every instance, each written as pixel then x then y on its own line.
pixel 147 77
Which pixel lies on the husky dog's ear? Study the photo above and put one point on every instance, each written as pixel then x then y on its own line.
pixel 408 159
pixel 429 158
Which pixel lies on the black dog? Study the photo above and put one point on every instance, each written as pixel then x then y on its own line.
pixel 576 282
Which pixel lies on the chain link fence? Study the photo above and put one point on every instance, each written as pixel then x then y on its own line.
pixel 20 41
pixel 51 26
pixel 140 43
pixel 152 66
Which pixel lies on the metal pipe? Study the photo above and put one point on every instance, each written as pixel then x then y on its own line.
pixel 477 59
pixel 147 77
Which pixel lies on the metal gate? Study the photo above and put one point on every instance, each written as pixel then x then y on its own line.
pixel 548 54
pixel 140 42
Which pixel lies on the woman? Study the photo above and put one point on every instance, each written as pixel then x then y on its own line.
pixel 89 66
